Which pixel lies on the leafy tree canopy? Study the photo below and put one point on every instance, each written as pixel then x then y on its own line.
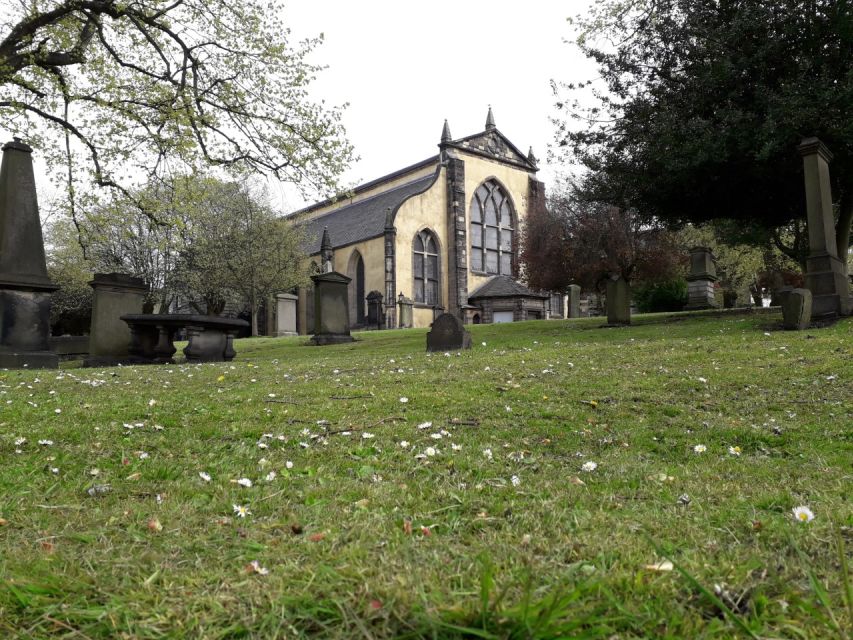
pixel 125 92
pixel 704 102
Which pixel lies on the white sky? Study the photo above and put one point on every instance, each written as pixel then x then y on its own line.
pixel 404 68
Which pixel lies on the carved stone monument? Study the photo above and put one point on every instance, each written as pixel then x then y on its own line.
pixel 25 288
pixel 825 272
pixel 797 309
pixel 573 303
pixel 406 312
pixel 375 310
pixel 447 333
pixel 700 282
pixel 331 309
pixel 618 301
pixel 285 314
pixel 116 294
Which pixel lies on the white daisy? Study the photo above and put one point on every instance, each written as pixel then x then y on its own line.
pixel 803 514
pixel 700 448
pixel 241 511
pixel 244 482
pixel 589 466
pixel 204 476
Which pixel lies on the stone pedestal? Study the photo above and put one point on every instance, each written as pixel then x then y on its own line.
pixel 116 294
pixel 825 273
pixel 700 282
pixel 573 302
pixel 375 310
pixel 797 309
pixel 406 312
pixel 24 286
pixel 331 309
pixel 285 314
pixel 618 301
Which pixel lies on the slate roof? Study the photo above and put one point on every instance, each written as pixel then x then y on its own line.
pixel 503 287
pixel 361 220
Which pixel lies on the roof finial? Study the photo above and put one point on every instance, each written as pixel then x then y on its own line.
pixel 326 242
pixel 445 132
pixel 490 120
pixel 531 158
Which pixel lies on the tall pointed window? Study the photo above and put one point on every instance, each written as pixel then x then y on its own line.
pixel 426 268
pixel 491 230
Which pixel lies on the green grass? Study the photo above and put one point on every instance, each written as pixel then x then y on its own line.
pixel 362 539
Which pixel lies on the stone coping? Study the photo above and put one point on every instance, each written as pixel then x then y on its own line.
pixel 185 319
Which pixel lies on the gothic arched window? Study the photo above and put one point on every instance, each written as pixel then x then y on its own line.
pixel 491 229
pixel 426 267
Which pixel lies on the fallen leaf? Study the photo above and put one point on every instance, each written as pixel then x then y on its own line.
pixel 577 481
pixel 296 529
pixel 154 525
pixel 134 476
pixel 407 527
pixel 316 537
pixel 426 531
pixel 3 522
pixel 663 565
pixel 47 546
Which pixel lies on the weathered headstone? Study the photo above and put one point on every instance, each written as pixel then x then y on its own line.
pixel 618 301
pixel 574 301
pixel 825 273
pixel 700 282
pixel 285 314
pixel 331 309
pixel 407 314
pixel 375 312
pixel 797 309
pixel 116 294
pixel 25 288
pixel 447 333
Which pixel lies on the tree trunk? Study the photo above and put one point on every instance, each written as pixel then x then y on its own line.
pixel 254 313
pixel 842 229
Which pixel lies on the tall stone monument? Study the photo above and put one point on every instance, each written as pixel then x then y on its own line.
pixel 618 301
pixel 285 314
pixel 573 302
pixel 25 288
pixel 825 272
pixel 116 294
pixel 700 282
pixel 331 308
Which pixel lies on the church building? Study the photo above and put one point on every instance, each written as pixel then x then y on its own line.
pixel 440 235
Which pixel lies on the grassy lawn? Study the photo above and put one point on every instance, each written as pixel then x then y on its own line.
pixel 396 493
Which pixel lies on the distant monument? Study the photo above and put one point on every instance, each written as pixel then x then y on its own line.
pixel 285 314
pixel 825 272
pixel 25 289
pixel 700 282
pixel 618 301
pixel 116 294
pixel 331 299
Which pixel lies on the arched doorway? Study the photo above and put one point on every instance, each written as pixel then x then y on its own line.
pixel 357 291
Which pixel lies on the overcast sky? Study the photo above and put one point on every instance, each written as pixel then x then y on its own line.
pixel 403 70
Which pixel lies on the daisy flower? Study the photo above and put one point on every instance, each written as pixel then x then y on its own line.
pixel 803 514
pixel 515 481
pixel 257 568
pixel 589 466
pixel 700 448
pixel 735 451
pixel 204 476
pixel 241 511
pixel 244 482
pixel 430 451
pixel 271 476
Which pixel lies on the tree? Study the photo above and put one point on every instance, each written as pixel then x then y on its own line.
pixel 582 242
pixel 140 90
pixel 235 244
pixel 71 304
pixel 704 103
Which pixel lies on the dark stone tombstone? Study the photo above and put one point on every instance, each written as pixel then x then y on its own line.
pixel 375 315
pixel 574 302
pixel 25 288
pixel 448 334
pixel 797 309
pixel 406 315
pixel 700 282
pixel 331 309
pixel 618 301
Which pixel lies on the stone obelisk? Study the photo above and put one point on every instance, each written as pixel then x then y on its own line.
pixel 25 288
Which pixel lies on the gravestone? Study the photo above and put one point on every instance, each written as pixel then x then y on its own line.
pixel 618 301
pixel 375 313
pixel 447 333
pixel 407 314
pixel 574 301
pixel 116 294
pixel 285 314
pixel 797 309
pixel 25 288
pixel 826 275
pixel 331 309
pixel 700 282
